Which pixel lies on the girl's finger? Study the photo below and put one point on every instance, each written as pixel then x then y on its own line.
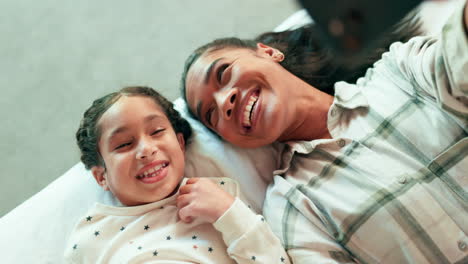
pixel 184 215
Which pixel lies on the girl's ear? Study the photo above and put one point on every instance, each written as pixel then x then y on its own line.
pixel 270 52
pixel 100 175
pixel 180 138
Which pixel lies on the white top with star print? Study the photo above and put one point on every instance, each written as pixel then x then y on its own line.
pixel 153 233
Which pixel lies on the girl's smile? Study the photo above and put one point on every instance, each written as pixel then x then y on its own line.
pixel 153 172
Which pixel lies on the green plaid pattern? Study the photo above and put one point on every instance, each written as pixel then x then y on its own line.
pixel 391 186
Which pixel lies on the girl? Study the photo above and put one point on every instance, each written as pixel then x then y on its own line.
pixel 133 141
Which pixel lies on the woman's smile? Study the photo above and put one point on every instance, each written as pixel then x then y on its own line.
pixel 249 111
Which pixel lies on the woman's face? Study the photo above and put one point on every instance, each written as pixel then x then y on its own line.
pixel 242 94
pixel 143 156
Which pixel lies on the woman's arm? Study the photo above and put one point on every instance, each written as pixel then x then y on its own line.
pixel 437 67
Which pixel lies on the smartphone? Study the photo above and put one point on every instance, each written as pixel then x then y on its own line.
pixel 350 26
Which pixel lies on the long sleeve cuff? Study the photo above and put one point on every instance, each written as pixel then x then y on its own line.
pixel 235 221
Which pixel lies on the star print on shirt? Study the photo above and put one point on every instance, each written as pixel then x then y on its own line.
pixel 122 228
pixel 139 248
pixel 194 237
pixel 96 233
pixel 155 253
pixel 89 218
pixel 222 182
pixel 147 227
pixel 253 258
pixel 282 259
pixel 210 249
pixel 75 246
pixel 168 238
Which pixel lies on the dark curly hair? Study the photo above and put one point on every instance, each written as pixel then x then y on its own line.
pixel 89 133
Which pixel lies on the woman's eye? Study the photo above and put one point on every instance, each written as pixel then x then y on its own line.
pixel 208 116
pixel 157 131
pixel 219 73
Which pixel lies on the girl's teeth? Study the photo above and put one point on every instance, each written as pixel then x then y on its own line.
pixel 152 172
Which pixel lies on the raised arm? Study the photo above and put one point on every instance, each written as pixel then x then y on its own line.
pixel 436 66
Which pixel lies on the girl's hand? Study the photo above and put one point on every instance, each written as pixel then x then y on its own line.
pixel 203 199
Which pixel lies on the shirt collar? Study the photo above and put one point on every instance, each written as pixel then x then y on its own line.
pixel 349 96
pixel 300 147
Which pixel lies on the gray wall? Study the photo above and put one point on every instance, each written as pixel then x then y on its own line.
pixel 57 56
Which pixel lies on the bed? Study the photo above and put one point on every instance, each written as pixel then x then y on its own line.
pixel 36 231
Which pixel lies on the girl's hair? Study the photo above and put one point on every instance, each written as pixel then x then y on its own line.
pixel 308 58
pixel 89 133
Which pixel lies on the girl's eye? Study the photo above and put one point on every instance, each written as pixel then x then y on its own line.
pixel 157 131
pixel 123 145
pixel 219 73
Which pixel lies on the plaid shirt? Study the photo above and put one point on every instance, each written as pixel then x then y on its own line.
pixel 391 185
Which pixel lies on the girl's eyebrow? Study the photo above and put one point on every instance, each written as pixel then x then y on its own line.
pixel 210 69
pixel 122 129
pixel 116 132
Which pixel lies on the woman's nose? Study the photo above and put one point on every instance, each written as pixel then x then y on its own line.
pixel 146 150
pixel 226 100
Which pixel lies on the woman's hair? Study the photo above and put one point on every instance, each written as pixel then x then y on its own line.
pixel 89 133
pixel 307 57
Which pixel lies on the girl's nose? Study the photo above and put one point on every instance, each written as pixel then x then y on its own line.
pixel 226 100
pixel 146 150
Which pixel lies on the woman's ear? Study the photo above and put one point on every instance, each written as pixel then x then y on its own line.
pixel 100 175
pixel 267 51
pixel 180 138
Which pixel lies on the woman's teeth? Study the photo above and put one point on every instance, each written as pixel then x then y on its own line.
pixel 248 110
pixel 152 172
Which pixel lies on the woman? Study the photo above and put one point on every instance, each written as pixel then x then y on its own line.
pixel 375 173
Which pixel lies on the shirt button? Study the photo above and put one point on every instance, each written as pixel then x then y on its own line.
pixel 402 179
pixel 341 143
pixel 433 167
pixel 462 246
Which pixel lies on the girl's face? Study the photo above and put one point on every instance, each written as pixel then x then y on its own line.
pixel 143 156
pixel 242 94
